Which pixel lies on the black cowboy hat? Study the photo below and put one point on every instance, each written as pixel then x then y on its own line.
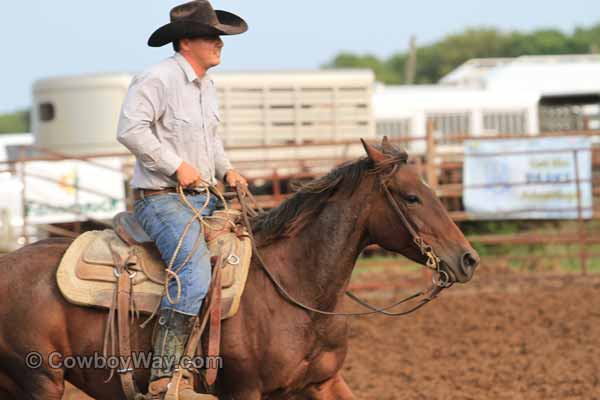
pixel 196 19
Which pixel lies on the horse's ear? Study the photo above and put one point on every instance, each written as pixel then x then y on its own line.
pixel 386 145
pixel 389 148
pixel 374 155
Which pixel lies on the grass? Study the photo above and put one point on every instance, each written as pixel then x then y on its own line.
pixel 564 258
pixel 559 258
pixel 556 257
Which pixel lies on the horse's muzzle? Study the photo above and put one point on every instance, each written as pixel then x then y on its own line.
pixel 461 271
pixel 468 263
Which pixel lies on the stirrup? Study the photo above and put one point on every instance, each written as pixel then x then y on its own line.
pixel 183 376
pixel 156 390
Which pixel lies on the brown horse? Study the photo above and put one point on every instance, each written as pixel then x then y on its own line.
pixel 271 349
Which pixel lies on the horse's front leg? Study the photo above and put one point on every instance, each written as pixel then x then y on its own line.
pixel 334 388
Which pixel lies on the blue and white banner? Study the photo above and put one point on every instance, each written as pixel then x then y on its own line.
pixel 528 178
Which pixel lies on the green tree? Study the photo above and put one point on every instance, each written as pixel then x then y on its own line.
pixel 438 59
pixel 16 122
pixel 586 40
pixel 381 69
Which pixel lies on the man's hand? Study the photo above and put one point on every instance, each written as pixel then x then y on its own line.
pixel 233 179
pixel 187 175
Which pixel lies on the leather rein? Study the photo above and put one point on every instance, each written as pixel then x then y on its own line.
pixel 433 262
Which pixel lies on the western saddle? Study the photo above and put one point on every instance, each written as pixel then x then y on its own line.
pixel 121 270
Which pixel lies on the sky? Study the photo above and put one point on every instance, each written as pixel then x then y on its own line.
pixel 44 38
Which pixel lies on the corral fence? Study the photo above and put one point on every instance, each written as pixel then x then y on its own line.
pixel 441 166
pixel 444 171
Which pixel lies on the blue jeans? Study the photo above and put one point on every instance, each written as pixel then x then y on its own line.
pixel 164 218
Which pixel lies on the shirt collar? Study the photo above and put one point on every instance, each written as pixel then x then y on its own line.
pixel 186 67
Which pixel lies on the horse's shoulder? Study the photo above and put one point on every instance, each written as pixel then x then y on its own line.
pixel 48 248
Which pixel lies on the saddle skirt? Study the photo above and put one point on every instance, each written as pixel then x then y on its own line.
pixel 87 275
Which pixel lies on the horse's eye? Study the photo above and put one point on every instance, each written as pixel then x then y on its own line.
pixel 412 199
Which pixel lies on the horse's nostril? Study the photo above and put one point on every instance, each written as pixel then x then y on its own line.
pixel 469 261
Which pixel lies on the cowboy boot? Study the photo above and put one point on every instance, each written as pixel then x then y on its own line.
pixel 173 331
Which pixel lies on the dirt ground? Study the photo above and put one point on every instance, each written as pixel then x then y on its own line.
pixel 506 335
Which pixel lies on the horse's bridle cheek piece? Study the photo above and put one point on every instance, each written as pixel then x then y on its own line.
pixel 433 261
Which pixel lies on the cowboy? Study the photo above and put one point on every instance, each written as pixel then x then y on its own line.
pixel 169 121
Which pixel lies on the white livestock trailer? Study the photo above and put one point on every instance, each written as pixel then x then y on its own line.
pixel 79 114
pixel 522 96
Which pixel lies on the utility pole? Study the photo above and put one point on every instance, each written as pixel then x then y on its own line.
pixel 410 69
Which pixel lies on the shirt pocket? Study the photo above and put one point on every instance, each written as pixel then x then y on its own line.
pixel 178 121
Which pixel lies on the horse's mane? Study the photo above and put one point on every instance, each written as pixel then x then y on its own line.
pixel 293 214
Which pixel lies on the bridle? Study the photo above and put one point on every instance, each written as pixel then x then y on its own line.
pixel 433 261
pixel 439 282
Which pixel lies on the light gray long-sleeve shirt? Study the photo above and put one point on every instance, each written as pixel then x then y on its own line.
pixel 170 116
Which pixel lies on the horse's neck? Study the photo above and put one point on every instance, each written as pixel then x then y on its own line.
pixel 323 255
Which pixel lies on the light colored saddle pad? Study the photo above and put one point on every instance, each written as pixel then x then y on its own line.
pixel 86 275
